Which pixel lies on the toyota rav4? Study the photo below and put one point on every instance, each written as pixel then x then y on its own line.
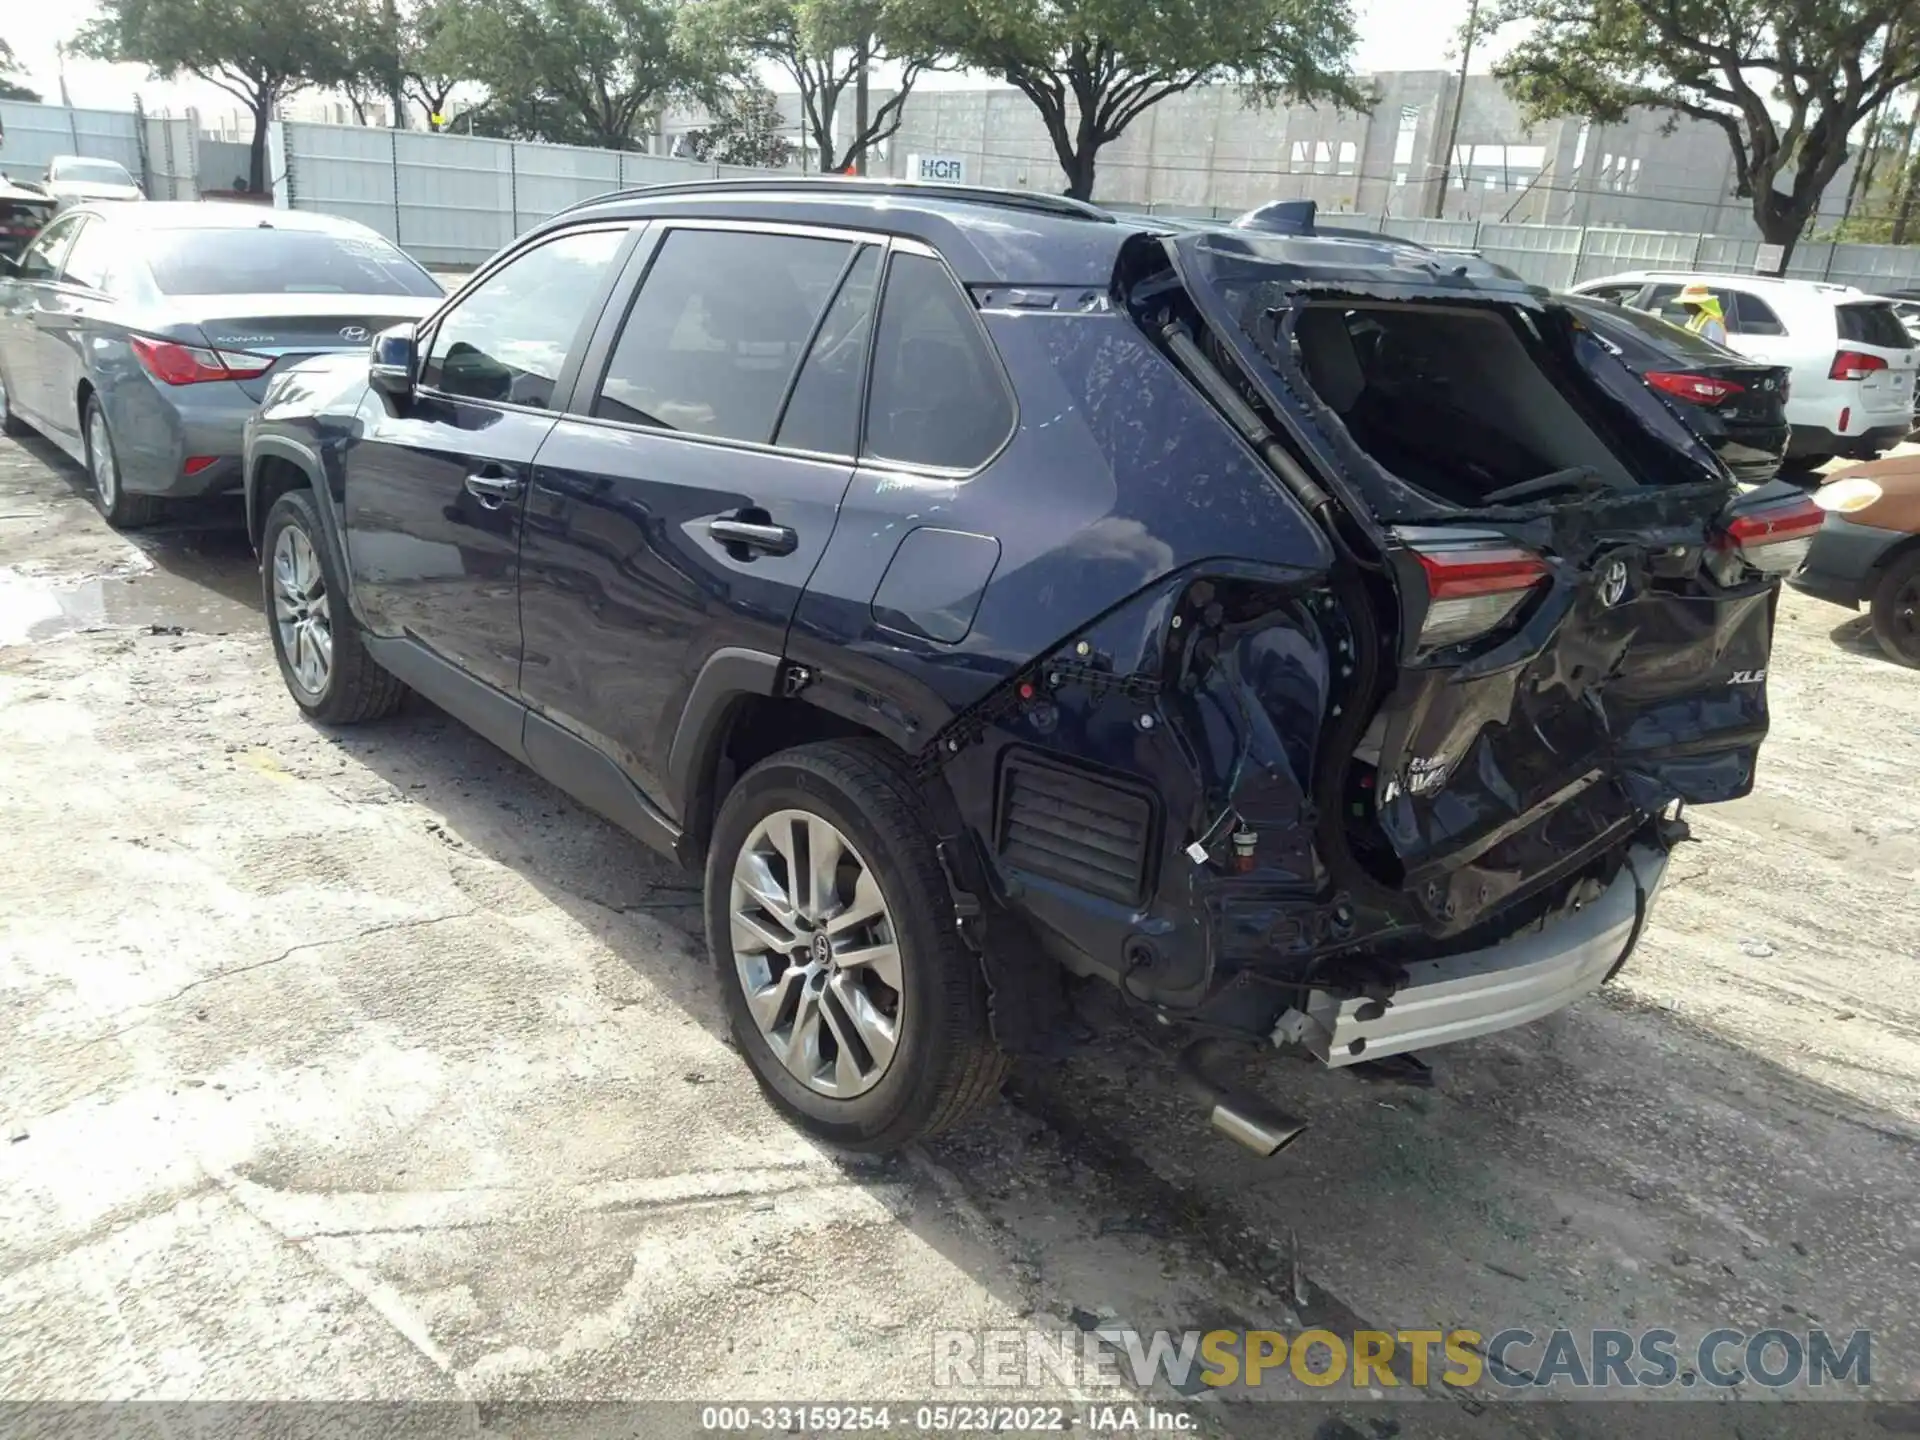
pixel 1313 636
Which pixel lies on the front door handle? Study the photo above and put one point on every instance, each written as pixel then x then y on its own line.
pixel 493 491
pixel 767 539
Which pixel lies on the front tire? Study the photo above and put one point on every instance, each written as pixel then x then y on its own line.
pixel 315 637
pixel 10 423
pixel 1896 610
pixel 122 511
pixel 861 1013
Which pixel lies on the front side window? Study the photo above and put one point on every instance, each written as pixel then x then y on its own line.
pixel 509 338
pixel 41 260
pixel 717 331
pixel 937 395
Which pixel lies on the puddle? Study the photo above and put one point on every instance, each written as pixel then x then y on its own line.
pixel 34 608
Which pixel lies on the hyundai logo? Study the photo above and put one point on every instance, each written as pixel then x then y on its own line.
pixel 354 333
pixel 1613 583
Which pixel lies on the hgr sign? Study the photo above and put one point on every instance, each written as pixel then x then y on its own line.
pixel 951 169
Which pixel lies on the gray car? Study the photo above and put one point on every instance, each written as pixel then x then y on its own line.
pixel 138 338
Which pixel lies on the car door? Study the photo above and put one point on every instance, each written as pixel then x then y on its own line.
pixel 26 290
pixel 436 482
pixel 682 505
pixel 63 316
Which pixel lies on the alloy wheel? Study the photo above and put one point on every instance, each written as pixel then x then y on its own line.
pixel 301 611
pixel 816 953
pixel 106 472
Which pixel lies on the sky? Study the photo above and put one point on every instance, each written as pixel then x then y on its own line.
pixel 1394 35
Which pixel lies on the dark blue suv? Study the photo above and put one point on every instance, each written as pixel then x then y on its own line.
pixel 1313 636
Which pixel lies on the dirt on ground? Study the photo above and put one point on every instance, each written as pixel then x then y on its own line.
pixel 366 1065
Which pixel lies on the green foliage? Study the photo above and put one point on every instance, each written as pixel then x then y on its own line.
pixel 1093 67
pixel 746 129
pixel 10 86
pixel 584 72
pixel 1786 81
pixel 258 51
pixel 821 46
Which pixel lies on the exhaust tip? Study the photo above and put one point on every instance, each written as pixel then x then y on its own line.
pixel 1263 1132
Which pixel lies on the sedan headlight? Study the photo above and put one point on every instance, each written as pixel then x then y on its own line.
pixel 1846 496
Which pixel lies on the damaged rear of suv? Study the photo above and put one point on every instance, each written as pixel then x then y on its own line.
pixel 1409 770
pixel 1313 636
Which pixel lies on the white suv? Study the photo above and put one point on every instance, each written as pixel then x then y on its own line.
pixel 1853 361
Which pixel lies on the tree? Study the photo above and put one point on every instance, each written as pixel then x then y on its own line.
pixel 584 72
pixel 746 129
pixel 1093 67
pixel 429 66
pixel 1786 81
pixel 10 87
pixel 258 51
pixel 822 46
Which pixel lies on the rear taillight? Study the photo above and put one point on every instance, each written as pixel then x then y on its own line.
pixel 175 364
pixel 1773 541
pixel 1695 389
pixel 1472 589
pixel 1854 365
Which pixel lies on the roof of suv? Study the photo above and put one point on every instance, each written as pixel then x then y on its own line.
pixel 1772 284
pixel 995 237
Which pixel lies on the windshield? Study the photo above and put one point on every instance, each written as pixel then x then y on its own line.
pixel 91 172
pixel 264 260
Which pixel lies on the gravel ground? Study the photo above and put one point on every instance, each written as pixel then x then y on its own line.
pixel 367 1065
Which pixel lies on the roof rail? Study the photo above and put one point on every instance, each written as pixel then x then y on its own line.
pixel 1037 202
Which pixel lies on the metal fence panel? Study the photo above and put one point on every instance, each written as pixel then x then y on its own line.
pixel 455 196
pixel 173 157
pixel 1542 254
pixel 1876 268
pixel 345 170
pixel 37 133
pixel 1451 234
pixel 549 178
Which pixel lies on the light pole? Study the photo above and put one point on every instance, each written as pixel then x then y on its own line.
pixel 1459 102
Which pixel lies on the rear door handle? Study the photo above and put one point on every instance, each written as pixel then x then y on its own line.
pixel 493 491
pixel 768 539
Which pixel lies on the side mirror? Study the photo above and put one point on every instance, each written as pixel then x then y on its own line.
pixel 390 361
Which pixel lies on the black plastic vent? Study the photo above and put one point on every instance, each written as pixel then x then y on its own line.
pixel 1076 825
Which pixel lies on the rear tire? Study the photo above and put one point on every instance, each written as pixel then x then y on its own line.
pixel 883 1052
pixel 122 511
pixel 1896 610
pixel 315 637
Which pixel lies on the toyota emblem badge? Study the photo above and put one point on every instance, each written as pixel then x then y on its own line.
pixel 1613 583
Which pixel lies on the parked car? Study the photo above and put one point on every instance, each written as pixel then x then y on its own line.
pixel 24 213
pixel 1868 551
pixel 1853 362
pixel 71 179
pixel 1739 408
pixel 139 338
pixel 1308 635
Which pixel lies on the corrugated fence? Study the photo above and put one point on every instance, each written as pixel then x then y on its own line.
pixel 456 199
pixel 1561 255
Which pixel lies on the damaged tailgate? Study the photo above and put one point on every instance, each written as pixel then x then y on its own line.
pixel 1573 601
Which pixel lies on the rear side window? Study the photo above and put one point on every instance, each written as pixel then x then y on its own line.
pixel 266 260
pixel 90 257
pixel 823 412
pixel 1753 316
pixel 717 331
pixel 1872 324
pixel 937 397
pixel 508 338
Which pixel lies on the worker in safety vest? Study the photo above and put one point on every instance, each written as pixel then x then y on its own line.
pixel 1703 313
